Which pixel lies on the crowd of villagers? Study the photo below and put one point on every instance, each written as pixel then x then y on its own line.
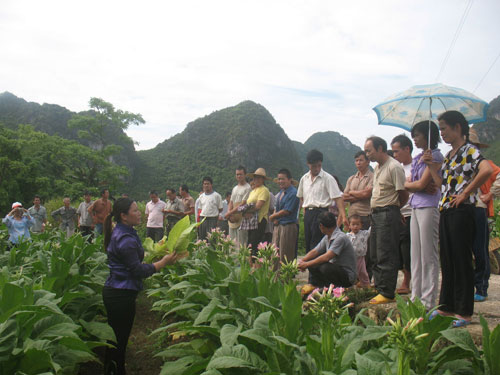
pixel 420 214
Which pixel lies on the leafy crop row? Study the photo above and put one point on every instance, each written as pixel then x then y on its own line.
pixel 50 304
pixel 227 317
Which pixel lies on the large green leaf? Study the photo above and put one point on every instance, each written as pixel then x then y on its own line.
pixel 8 338
pixel 366 366
pixel 12 296
pixel 35 361
pixel 176 232
pixel 181 365
pixel 207 311
pixel 461 338
pixel 100 330
pixel 229 334
pixel 235 357
pixel 183 240
pixel 291 314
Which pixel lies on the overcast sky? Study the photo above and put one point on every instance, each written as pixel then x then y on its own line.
pixel 315 65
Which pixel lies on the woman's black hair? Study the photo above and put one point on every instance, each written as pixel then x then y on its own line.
pixel 423 128
pixel 121 206
pixel 454 118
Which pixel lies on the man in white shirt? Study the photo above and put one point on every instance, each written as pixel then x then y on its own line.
pixel 317 191
pixel 239 196
pixel 402 147
pixel 85 222
pixel 210 204
pixel 155 217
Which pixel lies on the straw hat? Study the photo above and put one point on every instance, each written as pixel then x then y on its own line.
pixel 473 138
pixel 260 172
pixel 294 182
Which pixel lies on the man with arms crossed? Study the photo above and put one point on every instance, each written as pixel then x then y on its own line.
pixel 174 209
pixel 358 192
pixel 187 200
pixel 239 195
pixel 388 196
pixel 99 210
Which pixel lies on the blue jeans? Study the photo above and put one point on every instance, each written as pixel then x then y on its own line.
pixel 98 229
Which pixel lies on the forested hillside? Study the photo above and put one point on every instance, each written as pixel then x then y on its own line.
pixel 215 145
pixel 53 120
pixel 48 150
pixel 489 131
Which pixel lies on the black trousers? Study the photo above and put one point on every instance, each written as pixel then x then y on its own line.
pixel 365 225
pixel 156 234
pixel 312 233
pixel 384 248
pixel 457 228
pixel 329 273
pixel 255 236
pixel 171 221
pixel 481 253
pixel 209 224
pixel 405 245
pixel 120 307
pixel 87 231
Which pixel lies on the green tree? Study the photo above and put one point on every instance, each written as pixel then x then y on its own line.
pixel 33 162
pixel 104 125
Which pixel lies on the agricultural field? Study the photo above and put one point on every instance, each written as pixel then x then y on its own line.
pixel 212 313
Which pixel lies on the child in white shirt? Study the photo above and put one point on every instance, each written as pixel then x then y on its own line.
pixel 359 239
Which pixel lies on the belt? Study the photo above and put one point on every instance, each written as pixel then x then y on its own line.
pixel 383 209
pixel 316 208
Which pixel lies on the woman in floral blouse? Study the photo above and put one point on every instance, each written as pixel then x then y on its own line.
pixel 463 171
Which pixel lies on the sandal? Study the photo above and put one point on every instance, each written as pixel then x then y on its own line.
pixel 434 314
pixel 379 299
pixel 403 291
pixel 460 323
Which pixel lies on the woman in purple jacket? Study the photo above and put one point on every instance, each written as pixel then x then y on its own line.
pixel 126 271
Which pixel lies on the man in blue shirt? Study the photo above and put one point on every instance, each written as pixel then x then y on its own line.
pixel 285 217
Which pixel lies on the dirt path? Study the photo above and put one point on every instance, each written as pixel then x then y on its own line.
pixel 141 346
pixel 490 309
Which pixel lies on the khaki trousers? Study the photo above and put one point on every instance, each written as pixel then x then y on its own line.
pixel 285 238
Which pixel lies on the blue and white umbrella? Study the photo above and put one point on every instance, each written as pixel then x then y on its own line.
pixel 426 102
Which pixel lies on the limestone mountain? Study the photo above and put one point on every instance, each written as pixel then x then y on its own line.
pixel 214 145
pixel 338 153
pixel 489 131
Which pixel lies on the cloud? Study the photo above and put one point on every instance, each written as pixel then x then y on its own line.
pixel 315 65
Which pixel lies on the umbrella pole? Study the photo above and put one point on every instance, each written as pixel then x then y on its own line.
pixel 430 118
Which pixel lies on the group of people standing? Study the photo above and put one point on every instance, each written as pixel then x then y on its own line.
pixel 88 217
pixel 429 213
